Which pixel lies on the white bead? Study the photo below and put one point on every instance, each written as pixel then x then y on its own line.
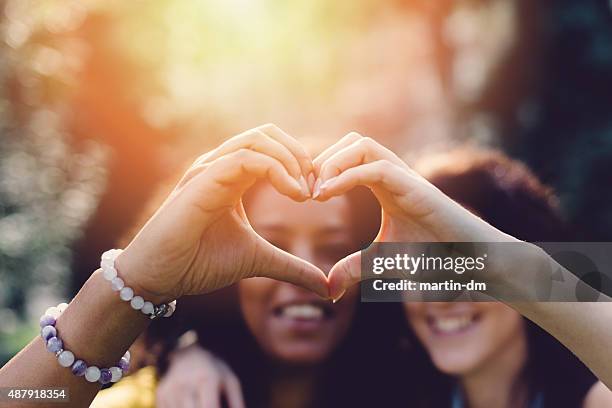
pixel 137 302
pixel 116 374
pixel 111 254
pixel 107 263
pixel 126 294
pixel 53 311
pixel 61 307
pixel 127 355
pixel 117 284
pixel 92 374
pixel 107 255
pixel 109 273
pixel 147 308
pixel 66 358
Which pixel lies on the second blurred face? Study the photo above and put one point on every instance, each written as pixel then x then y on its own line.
pixel 463 338
pixel 290 323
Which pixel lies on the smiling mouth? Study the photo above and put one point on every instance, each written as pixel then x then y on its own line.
pixel 306 312
pixel 449 325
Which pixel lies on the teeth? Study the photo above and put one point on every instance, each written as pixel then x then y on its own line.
pixel 452 324
pixel 304 311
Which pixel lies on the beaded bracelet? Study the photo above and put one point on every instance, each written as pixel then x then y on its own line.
pixel 67 359
pixel 127 294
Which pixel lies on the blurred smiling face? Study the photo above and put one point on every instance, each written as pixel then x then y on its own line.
pixel 290 323
pixel 463 338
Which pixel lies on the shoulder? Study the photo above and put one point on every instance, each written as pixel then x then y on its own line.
pixel 134 391
pixel 599 396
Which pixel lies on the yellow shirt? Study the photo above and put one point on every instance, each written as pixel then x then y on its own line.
pixel 134 391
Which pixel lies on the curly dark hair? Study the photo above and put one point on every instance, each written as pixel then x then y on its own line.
pixel 503 191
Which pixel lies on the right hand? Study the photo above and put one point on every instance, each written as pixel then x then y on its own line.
pixel 196 378
pixel 200 239
pixel 413 209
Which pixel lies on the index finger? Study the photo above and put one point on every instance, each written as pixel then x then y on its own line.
pixel 364 150
pixel 347 140
pixel 231 386
pixel 208 394
pixel 290 143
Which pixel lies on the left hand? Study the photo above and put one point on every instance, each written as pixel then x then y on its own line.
pixel 414 210
pixel 200 239
pixel 197 378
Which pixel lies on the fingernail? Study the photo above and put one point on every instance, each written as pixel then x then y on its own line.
pixel 317 188
pixel 304 186
pixel 339 296
pixel 311 180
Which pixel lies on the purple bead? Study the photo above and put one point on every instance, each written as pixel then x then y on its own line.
pixel 47 332
pixel 54 344
pixel 78 368
pixel 105 376
pixel 124 364
pixel 47 320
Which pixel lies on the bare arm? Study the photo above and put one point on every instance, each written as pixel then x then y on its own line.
pixel 97 327
pixel 198 241
pixel 583 327
pixel 416 211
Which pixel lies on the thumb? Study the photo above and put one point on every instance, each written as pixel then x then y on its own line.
pixel 344 274
pixel 272 262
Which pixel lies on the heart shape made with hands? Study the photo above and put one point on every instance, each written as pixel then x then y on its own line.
pixel 321 233
pixel 201 238
pixel 413 210
pixel 371 177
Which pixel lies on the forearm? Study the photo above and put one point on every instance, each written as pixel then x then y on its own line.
pixel 97 327
pixel 583 327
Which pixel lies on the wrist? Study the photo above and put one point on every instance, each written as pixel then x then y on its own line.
pixel 135 277
pixel 97 325
pixel 517 268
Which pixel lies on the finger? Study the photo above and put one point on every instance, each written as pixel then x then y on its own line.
pixel 290 143
pixel 180 397
pixel 227 178
pixel 362 151
pixel 193 171
pixel 277 264
pixel 161 398
pixel 347 140
pixel 246 165
pixel 380 173
pixel 344 274
pixel 208 395
pixel 168 395
pixel 232 388
pixel 257 140
pixel 189 400
pixel 165 402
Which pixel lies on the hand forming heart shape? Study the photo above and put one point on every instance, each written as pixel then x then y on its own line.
pixel 201 240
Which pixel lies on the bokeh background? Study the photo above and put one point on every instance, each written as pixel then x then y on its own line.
pixel 101 100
